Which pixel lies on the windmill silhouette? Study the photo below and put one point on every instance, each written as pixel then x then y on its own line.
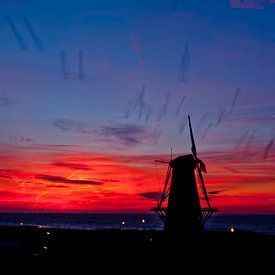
pixel 183 213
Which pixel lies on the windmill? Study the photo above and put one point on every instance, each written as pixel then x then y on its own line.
pixel 183 213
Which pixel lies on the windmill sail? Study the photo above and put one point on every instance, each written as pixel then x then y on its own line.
pixel 199 164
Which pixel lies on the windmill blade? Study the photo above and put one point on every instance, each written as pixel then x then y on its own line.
pixel 202 166
pixel 199 164
pixel 165 191
pixel 203 185
pixel 193 148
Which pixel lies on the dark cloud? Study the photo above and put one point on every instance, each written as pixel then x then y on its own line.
pixel 74 166
pixel 105 180
pixel 217 192
pixel 10 173
pixel 129 134
pixel 151 195
pixel 21 139
pixel 68 125
pixel 58 179
pixel 126 133
pixel 6 101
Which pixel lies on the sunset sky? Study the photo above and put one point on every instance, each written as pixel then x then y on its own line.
pixel 93 92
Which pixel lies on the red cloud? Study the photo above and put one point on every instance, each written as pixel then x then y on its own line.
pixel 31 181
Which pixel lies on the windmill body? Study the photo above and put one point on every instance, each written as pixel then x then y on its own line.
pixel 183 214
pixel 184 209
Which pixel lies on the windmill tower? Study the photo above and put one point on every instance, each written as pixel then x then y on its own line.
pixel 184 214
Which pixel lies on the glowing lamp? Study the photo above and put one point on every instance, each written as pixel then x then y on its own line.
pixel 232 229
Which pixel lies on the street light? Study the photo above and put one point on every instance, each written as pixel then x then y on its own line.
pixel 143 223
pixel 123 224
pixel 232 229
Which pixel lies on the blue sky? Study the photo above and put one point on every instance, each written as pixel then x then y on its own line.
pixel 127 44
pixel 120 77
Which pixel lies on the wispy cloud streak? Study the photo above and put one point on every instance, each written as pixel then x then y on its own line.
pixel 164 108
pixel 74 166
pixel 21 139
pixel 237 93
pixel 129 134
pixel 151 195
pixel 63 63
pixel 248 4
pixel 58 179
pixel 18 36
pixel 180 106
pixel 268 148
pixel 184 65
pixel 37 41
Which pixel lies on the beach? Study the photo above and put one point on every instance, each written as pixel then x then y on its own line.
pixel 32 248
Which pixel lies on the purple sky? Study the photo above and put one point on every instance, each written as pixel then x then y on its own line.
pixel 120 77
pixel 202 53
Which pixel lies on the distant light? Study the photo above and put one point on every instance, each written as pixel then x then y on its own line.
pixel 232 229
pixel 45 247
pixel 151 239
pixel 21 223
pixel 143 221
pixel 48 233
pixel 123 222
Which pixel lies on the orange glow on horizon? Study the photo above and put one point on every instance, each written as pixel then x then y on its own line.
pixel 97 182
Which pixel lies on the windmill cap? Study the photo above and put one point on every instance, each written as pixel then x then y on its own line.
pixel 185 160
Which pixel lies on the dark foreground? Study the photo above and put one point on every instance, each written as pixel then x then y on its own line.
pixel 40 250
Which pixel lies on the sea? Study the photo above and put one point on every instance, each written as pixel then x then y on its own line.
pixel 145 221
